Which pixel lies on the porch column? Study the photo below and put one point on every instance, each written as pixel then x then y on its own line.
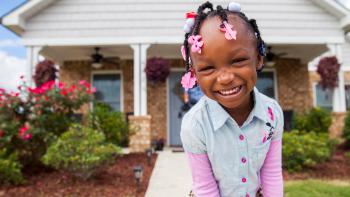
pixel 140 81
pixel 141 139
pixel 32 60
pixel 339 104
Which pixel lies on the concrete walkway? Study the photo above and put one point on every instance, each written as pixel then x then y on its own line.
pixel 171 176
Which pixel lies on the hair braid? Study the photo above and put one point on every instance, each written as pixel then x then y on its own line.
pixel 222 13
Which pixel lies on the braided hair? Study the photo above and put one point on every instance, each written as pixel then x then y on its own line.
pixel 202 14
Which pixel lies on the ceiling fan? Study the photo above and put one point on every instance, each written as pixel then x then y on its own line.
pixel 97 59
pixel 271 57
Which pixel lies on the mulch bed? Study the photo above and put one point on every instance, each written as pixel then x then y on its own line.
pixel 116 181
pixel 337 168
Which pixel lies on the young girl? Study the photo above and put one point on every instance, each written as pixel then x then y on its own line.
pixel 232 136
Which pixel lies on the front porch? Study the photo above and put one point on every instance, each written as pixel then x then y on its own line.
pixel 156 106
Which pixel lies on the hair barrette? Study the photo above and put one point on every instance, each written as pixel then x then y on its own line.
pixel 234 7
pixel 190 17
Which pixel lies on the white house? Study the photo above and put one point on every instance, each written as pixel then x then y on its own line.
pixel 127 33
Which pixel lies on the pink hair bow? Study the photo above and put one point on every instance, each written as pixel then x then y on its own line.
pixel 188 80
pixel 196 42
pixel 228 29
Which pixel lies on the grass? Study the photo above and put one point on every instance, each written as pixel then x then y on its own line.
pixel 317 188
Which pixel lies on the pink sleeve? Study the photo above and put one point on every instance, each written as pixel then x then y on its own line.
pixel 204 183
pixel 271 172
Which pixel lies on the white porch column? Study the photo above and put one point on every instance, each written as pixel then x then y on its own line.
pixel 32 60
pixel 339 104
pixel 140 81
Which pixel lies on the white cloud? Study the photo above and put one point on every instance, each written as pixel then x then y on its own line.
pixel 9 43
pixel 11 68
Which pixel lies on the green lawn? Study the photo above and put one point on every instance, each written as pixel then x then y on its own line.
pixel 317 188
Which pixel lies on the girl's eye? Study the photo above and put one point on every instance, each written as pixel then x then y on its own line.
pixel 239 60
pixel 206 69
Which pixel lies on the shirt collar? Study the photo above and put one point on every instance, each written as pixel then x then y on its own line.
pixel 219 116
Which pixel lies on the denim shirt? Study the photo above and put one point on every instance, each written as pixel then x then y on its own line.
pixel 236 153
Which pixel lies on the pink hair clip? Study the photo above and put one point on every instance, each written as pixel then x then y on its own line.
pixel 196 42
pixel 188 80
pixel 190 16
pixel 228 29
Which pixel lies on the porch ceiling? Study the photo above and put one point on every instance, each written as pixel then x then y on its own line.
pixel 65 53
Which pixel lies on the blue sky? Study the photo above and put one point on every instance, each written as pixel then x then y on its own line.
pixel 12 54
pixel 8 40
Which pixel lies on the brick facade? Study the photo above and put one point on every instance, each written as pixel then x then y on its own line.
pixel 141 138
pixel 294 86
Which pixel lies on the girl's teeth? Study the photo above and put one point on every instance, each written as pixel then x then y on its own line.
pixel 232 91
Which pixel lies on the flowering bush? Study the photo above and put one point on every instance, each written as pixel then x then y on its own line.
pixel 157 69
pixel 33 118
pixel 328 69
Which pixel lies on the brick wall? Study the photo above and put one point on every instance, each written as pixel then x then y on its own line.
pixel 73 71
pixel 293 85
pixel 157 105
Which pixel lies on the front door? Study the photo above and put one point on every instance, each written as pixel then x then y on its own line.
pixel 174 105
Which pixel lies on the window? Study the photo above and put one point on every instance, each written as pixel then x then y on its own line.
pixel 347 95
pixel 324 98
pixel 266 83
pixel 108 89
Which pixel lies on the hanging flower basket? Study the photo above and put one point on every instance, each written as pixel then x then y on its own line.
pixel 157 69
pixel 328 69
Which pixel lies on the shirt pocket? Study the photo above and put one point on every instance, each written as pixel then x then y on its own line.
pixel 258 155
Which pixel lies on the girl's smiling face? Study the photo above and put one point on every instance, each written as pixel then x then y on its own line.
pixel 226 69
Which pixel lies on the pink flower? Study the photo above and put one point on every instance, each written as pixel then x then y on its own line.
pixel 27 136
pixel 229 32
pixel 188 80
pixel 270 113
pixel 22 131
pixel 82 82
pixel 197 43
pixel 93 90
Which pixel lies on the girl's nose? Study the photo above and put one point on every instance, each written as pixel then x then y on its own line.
pixel 225 77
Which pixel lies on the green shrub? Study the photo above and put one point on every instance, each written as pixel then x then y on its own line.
pixel 305 149
pixel 346 130
pixel 347 155
pixel 111 123
pixel 318 120
pixel 10 168
pixel 81 151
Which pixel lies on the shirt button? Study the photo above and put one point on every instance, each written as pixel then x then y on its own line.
pixel 244 180
pixel 244 160
pixel 241 137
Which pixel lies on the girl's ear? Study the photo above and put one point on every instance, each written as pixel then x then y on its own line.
pixel 260 62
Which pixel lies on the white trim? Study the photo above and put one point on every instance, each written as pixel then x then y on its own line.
pixel 143 80
pixel 169 40
pixel 16 19
pixel 339 92
pixel 111 72
pixel 333 7
pixel 140 81
pixel 274 72
pixel 168 102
